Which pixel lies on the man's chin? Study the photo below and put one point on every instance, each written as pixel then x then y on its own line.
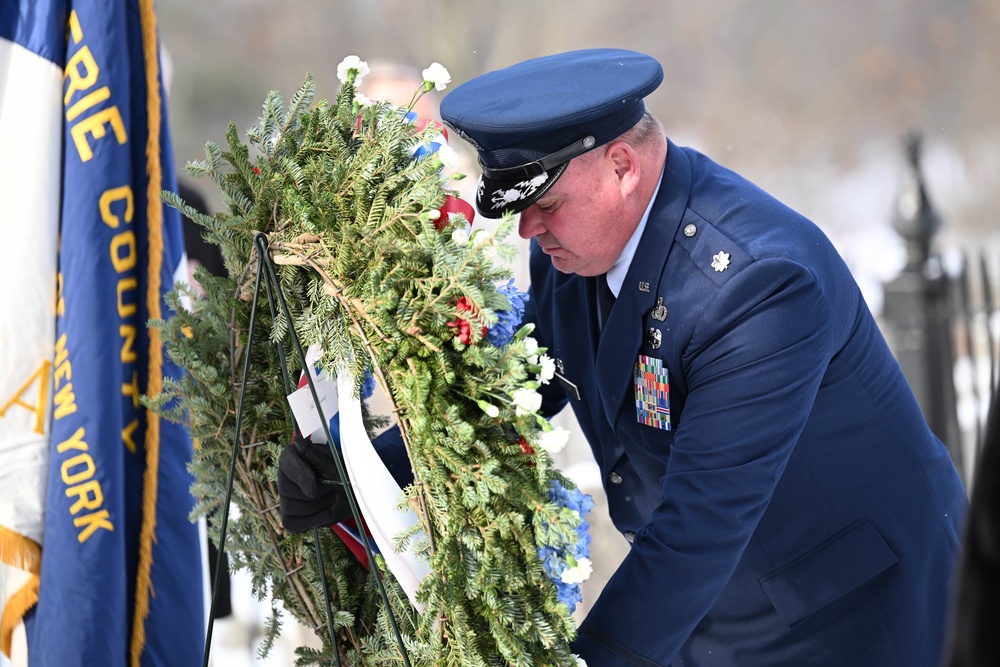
pixel 564 265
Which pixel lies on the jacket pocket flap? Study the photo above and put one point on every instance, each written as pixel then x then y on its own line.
pixel 823 574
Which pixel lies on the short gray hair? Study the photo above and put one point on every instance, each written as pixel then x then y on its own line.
pixel 642 132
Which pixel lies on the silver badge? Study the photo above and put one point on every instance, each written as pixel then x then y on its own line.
pixel 653 338
pixel 568 386
pixel 660 311
pixel 720 262
pixel 643 286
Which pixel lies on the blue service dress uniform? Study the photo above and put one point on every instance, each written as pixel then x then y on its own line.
pixel 798 511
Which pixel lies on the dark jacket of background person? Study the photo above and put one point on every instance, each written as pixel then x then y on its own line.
pixel 975 641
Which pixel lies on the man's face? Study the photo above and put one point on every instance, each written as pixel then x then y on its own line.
pixel 581 221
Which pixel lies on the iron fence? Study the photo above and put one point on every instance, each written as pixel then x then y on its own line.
pixel 942 317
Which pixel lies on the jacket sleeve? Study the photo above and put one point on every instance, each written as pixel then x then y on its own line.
pixel 753 366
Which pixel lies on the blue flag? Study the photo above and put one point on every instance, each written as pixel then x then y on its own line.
pixel 121 571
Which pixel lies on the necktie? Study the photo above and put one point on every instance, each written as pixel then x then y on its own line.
pixel 605 300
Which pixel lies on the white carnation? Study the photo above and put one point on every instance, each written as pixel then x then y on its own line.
pixel 548 371
pixel 580 662
pixel 530 346
pixel 577 574
pixel 526 401
pixel 460 237
pixel 437 75
pixel 362 100
pixel 448 156
pixel 554 440
pixel 352 63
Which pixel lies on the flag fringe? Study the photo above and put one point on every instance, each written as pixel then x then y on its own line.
pixel 24 553
pixel 14 611
pixel 154 212
pixel 20 551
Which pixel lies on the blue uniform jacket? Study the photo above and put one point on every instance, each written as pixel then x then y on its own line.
pixel 799 511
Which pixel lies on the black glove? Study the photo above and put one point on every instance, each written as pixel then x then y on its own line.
pixel 309 489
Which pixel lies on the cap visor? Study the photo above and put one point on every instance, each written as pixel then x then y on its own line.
pixel 494 198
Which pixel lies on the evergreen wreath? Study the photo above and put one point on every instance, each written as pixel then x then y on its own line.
pixel 387 286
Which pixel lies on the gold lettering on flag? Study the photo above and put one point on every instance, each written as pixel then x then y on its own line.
pixel 117 206
pixel 78 468
pixel 81 74
pixel 42 375
pixel 65 400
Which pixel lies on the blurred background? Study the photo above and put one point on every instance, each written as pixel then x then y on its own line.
pixel 810 100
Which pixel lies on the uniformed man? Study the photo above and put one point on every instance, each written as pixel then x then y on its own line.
pixel 785 501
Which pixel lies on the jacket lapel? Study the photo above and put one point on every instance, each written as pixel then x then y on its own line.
pixel 576 312
pixel 623 334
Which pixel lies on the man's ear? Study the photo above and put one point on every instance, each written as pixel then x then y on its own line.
pixel 626 165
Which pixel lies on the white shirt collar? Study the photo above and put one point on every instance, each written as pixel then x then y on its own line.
pixel 616 274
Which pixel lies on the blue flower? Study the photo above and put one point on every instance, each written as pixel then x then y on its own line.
pixel 508 321
pixel 555 557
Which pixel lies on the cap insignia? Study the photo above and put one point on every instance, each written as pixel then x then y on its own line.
pixel 519 191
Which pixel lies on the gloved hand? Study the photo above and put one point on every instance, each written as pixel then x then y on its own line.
pixel 309 492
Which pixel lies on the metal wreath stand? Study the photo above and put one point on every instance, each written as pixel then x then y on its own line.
pixel 274 293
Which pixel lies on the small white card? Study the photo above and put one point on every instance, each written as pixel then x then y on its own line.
pixel 304 409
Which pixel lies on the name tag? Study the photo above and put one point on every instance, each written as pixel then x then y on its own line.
pixel 652 393
pixel 571 389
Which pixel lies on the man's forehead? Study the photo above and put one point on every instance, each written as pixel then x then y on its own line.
pixel 572 177
pixel 558 190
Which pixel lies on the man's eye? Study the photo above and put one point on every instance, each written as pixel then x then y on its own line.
pixel 548 208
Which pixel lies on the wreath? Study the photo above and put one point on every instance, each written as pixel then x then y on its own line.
pixel 375 260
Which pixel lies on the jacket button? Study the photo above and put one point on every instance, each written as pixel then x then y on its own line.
pixel 629 535
pixel 615 478
pixel 690 230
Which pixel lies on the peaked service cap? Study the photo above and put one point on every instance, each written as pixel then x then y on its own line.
pixel 527 121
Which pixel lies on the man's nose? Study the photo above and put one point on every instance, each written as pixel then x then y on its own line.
pixel 529 224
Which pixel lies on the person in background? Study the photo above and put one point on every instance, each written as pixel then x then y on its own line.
pixel 202 253
pixel 199 251
pixel 396 83
pixel 974 641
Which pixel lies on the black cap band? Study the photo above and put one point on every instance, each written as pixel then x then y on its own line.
pixel 541 165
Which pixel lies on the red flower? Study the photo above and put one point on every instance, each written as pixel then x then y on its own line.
pixel 464 330
pixel 527 449
pixel 463 305
pixel 256 171
pixel 454 205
